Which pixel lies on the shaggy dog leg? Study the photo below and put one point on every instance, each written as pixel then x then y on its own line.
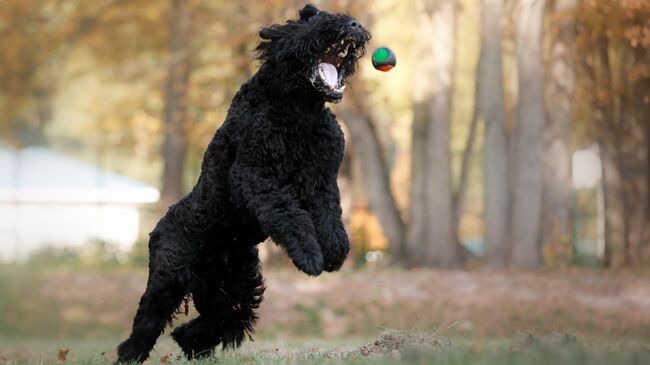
pixel 278 211
pixel 198 337
pixel 168 283
pixel 325 210
pixel 226 297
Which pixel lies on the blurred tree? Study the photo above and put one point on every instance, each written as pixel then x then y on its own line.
pixel 614 89
pixel 363 115
pixel 30 41
pixel 460 194
pixel 176 102
pixel 431 239
pixel 374 169
pixel 49 42
pixel 490 104
pixel 143 49
pixel 557 151
pixel 528 174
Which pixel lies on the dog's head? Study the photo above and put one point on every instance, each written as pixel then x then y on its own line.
pixel 319 50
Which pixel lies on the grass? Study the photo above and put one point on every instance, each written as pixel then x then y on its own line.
pixel 581 317
pixel 390 347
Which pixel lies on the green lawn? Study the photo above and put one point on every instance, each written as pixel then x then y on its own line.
pixel 577 317
pixel 390 347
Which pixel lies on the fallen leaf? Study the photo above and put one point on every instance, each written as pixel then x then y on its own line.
pixel 62 355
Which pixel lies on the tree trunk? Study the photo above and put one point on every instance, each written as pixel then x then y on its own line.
pixel 625 161
pixel 634 161
pixel 375 175
pixel 529 173
pixel 557 153
pixel 416 236
pixel 176 91
pixel 465 166
pixel 490 100
pixel 642 99
pixel 615 215
pixel 431 236
pixel 624 178
pixel 616 212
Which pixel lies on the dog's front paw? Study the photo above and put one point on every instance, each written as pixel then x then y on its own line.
pixel 336 250
pixel 310 263
pixel 131 352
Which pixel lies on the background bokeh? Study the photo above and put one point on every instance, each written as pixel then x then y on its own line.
pixel 496 181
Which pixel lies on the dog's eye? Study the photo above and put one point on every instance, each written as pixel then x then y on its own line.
pixel 315 16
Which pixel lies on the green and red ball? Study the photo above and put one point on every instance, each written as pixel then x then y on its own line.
pixel 383 59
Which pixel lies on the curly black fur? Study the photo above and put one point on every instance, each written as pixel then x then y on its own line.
pixel 270 170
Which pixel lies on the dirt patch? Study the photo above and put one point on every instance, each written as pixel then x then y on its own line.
pixel 390 341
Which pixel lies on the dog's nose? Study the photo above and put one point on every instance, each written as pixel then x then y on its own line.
pixel 354 24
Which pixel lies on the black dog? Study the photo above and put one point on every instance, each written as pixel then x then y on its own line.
pixel 270 170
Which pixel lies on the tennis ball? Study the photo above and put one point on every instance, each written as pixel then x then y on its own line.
pixel 383 59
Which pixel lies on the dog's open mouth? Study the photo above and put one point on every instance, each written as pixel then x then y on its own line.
pixel 329 67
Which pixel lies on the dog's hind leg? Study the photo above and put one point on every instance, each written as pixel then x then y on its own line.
pixel 168 283
pixel 227 300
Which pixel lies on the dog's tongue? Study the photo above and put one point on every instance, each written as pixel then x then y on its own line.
pixel 329 74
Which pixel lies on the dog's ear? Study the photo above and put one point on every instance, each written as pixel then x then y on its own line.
pixel 308 11
pixel 270 33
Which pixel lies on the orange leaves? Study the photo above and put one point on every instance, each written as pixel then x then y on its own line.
pixel 613 63
pixel 638 71
pixel 639 35
pixel 621 21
